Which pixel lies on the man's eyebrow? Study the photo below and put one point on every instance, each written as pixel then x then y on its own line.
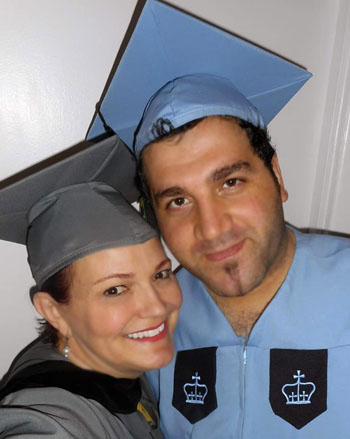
pixel 115 276
pixel 225 171
pixel 177 191
pixel 173 191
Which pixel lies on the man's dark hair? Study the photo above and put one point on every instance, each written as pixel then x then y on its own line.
pixel 163 129
pixel 57 286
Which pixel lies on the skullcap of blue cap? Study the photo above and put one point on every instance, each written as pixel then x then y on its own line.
pixel 191 97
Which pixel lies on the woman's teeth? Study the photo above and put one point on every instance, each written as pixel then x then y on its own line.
pixel 149 333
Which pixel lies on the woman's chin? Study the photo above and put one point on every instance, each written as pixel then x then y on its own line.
pixel 160 360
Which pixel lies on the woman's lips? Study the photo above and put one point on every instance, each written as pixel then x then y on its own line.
pixel 225 254
pixel 151 334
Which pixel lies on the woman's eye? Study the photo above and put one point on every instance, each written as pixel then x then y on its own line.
pixel 164 274
pixel 115 291
pixel 178 202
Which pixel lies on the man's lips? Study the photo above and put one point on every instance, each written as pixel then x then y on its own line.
pixel 150 334
pixel 225 254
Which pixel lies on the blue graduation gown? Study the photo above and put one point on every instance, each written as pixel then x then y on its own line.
pixel 290 379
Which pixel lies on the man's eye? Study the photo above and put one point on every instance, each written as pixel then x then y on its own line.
pixel 178 202
pixel 231 182
pixel 164 274
pixel 115 291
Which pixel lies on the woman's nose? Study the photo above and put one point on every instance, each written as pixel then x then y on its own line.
pixel 150 302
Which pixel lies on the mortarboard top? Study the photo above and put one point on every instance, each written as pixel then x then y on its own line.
pixel 167 43
pixel 72 208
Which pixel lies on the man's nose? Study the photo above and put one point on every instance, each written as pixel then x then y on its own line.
pixel 212 218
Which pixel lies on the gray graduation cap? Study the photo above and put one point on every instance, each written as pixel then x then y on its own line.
pixel 214 69
pixel 73 208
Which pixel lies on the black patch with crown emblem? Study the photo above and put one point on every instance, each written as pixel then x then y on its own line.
pixel 298 384
pixel 194 383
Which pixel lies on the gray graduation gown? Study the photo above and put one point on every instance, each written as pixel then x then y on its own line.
pixel 43 395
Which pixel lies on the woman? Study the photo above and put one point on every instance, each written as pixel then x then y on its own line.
pixel 110 303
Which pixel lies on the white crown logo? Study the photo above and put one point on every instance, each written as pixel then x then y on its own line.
pixel 195 393
pixel 299 392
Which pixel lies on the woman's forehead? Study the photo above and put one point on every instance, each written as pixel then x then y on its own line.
pixel 126 261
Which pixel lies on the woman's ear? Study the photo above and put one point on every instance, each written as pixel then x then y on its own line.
pixel 49 309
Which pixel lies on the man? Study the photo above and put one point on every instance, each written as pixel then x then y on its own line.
pixel 263 338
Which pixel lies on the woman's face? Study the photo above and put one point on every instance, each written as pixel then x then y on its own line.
pixel 123 310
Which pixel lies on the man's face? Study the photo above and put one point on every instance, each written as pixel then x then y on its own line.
pixel 218 207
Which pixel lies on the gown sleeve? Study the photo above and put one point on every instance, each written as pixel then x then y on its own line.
pixel 52 413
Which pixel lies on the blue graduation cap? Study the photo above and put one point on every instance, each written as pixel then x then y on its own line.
pixel 168 43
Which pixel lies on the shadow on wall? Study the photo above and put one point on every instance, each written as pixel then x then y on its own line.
pixel 321 231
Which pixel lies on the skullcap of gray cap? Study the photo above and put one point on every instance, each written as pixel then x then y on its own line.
pixel 78 220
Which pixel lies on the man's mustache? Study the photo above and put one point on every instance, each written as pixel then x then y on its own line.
pixel 219 243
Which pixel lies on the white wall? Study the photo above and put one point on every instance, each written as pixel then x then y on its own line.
pixel 330 208
pixel 55 56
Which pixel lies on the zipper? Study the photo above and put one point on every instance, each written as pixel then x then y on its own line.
pixel 244 361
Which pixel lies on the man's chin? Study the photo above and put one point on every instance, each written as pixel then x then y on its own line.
pixel 228 280
pixel 225 285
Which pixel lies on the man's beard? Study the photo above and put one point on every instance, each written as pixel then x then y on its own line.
pixel 236 278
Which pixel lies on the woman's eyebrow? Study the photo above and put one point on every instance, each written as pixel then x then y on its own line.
pixel 129 275
pixel 225 171
pixel 164 262
pixel 115 275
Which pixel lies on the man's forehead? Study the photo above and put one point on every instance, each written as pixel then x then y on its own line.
pixel 196 138
pixel 173 179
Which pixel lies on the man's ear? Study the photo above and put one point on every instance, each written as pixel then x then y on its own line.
pixel 49 309
pixel 277 171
